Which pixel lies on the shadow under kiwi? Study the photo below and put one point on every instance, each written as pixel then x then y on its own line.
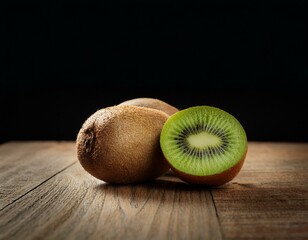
pixel 165 185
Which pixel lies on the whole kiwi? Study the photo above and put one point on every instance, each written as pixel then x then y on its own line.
pixel 152 103
pixel 120 144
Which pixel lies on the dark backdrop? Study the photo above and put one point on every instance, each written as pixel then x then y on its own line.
pixel 60 63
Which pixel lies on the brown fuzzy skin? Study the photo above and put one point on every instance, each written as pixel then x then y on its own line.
pixel 152 103
pixel 212 180
pixel 120 144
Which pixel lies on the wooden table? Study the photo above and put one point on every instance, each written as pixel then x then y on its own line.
pixel 46 194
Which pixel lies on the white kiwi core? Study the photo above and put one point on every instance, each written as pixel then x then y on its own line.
pixel 203 140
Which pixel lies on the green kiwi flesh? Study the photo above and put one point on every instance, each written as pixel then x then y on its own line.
pixel 120 144
pixel 204 144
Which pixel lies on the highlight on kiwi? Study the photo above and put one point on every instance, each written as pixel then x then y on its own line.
pixel 204 145
pixel 152 103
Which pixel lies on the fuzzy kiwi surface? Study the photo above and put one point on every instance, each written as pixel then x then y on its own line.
pixel 120 144
pixel 152 103
pixel 204 145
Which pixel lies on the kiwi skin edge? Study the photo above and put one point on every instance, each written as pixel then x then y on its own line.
pixel 153 103
pixel 212 180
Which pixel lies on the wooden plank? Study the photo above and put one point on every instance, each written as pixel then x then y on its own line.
pixel 269 198
pixel 74 205
pixel 25 165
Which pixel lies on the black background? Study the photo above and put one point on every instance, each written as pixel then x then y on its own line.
pixel 62 62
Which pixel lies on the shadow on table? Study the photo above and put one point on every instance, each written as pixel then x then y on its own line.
pixel 168 181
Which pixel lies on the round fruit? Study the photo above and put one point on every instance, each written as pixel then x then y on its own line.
pixel 152 103
pixel 204 145
pixel 120 144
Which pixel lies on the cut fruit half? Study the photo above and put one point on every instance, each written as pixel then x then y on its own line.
pixel 204 145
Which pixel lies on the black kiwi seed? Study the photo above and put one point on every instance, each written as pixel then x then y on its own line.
pixel 182 143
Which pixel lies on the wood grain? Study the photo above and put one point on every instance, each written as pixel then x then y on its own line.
pixel 25 165
pixel 46 194
pixel 75 205
pixel 269 198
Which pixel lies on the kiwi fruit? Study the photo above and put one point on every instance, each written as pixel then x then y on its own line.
pixel 120 144
pixel 204 145
pixel 152 103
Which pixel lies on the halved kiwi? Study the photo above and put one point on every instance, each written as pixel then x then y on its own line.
pixel 204 145
pixel 151 103
pixel 120 144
